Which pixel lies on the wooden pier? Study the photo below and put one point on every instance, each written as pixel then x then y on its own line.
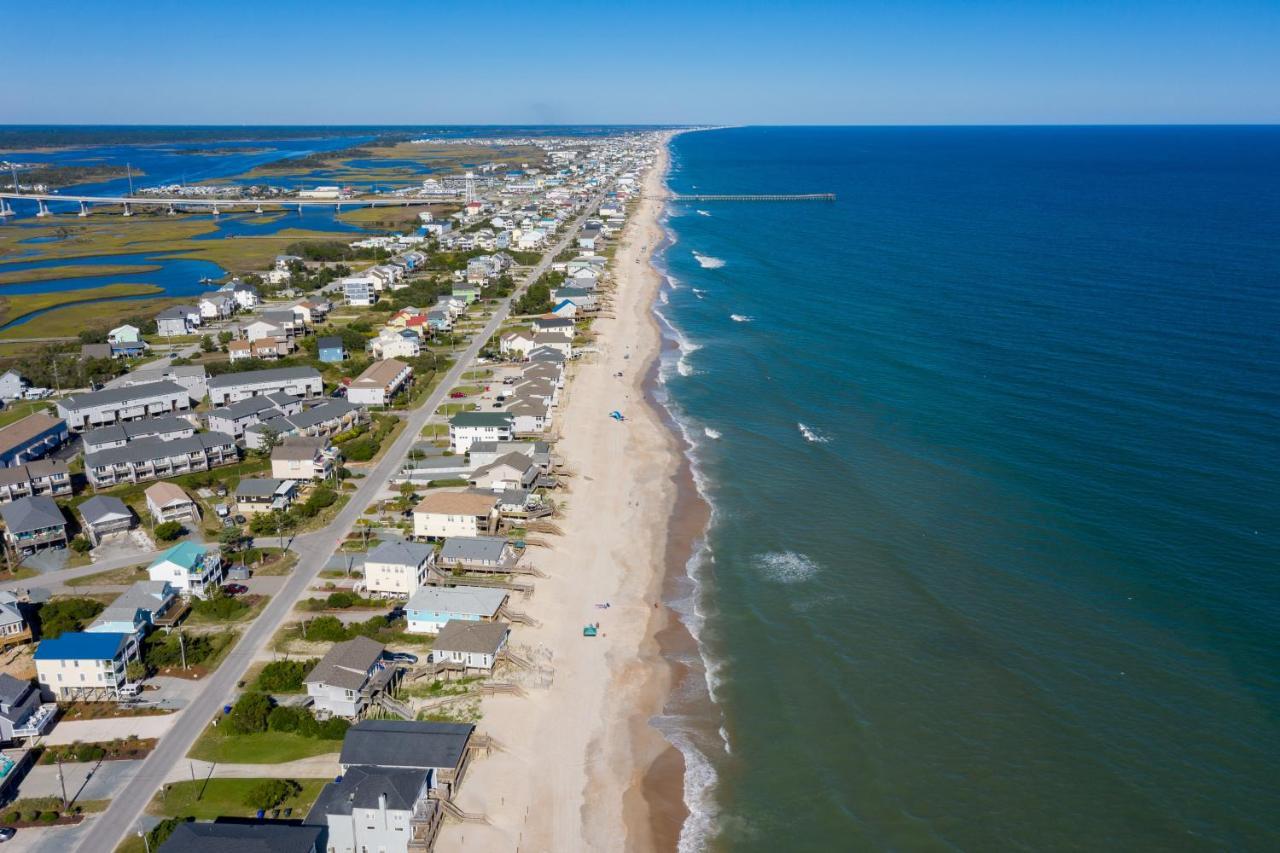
pixel 754 197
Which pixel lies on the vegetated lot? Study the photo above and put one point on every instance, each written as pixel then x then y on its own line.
pixel 207 799
pixel 329 629
pixel 163 652
pixel 257 731
pixel 60 615
pixel 365 443
pixel 284 676
pixel 220 608
pixel 120 749
pixel 111 577
pixel 48 811
pixel 343 601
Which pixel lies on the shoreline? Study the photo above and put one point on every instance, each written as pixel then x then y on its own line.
pixel 578 762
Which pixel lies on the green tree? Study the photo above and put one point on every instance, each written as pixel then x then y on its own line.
pixel 81 545
pixel 249 714
pixel 284 676
pixel 225 338
pixel 68 614
pixel 207 344
pixel 169 530
pixel 270 793
pixel 135 671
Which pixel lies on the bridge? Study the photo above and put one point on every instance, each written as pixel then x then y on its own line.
pixel 754 197
pixel 216 205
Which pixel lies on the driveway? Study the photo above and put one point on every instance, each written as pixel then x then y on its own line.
pixel 85 781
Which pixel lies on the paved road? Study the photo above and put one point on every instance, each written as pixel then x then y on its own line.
pixel 124 812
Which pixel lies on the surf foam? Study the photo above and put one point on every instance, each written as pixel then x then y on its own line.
pixel 813 435
pixel 707 262
pixel 786 567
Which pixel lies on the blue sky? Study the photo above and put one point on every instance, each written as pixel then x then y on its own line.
pixel 233 62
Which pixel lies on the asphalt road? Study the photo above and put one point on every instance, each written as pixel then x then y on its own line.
pixel 121 817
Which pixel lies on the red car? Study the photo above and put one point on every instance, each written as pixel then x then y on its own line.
pixel 235 589
pixel 456 395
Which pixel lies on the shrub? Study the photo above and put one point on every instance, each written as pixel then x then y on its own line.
pixel 326 629
pixel 67 614
pixel 162 830
pixel 360 450
pixel 88 752
pixel 270 793
pixel 169 530
pixel 81 545
pixel 12 817
pixel 334 728
pixel 340 600
pixel 220 606
pixel 283 719
pixel 249 714
pixel 48 817
pixel 284 676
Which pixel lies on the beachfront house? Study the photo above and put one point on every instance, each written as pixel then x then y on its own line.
pixel 348 678
pixel 397 569
pixel 443 514
pixel 477 554
pixel 443 748
pixel 390 810
pixel 217 837
pixel 432 607
pixel 193 569
pixel 475 645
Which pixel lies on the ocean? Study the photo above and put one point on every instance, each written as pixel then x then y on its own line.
pixel 991 448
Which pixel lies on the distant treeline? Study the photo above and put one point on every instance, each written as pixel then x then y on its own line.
pixel 61 176
pixel 55 136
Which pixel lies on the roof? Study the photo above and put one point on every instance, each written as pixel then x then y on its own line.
pixel 481 419
pixel 462 600
pixel 329 342
pixel 34 513
pixel 381 373
pixel 162 494
pixel 400 553
pixel 100 508
pixel 81 645
pixel 15 474
pixel 405 743
pixel 194 837
pixel 18 433
pixel 347 664
pixel 254 377
pixel 184 554
pixel 154 447
pixel 145 594
pixel 130 430
pixel 457 503
pixel 298 447
pixel 12 690
pixel 487 549
pixel 244 408
pixel 361 786
pixel 259 487
pixel 458 635
pixel 115 396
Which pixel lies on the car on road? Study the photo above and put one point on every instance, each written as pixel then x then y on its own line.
pixel 7 832
pixel 235 589
pixel 402 657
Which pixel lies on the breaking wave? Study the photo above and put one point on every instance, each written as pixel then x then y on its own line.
pixel 786 567
pixel 740 318
pixel 813 435
pixel 711 433
pixel 707 262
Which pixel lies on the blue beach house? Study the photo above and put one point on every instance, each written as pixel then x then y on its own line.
pixel 192 568
pixel 431 607
pixel 330 349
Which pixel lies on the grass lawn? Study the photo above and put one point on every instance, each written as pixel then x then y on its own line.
pixel 17 411
pixel 112 577
pixel 260 748
pixel 22 573
pixel 206 799
pixel 448 410
pixel 255 604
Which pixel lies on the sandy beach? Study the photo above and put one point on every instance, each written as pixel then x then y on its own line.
pixel 576 765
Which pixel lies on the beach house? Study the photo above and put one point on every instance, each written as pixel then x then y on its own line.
pixel 85 666
pixel 368 808
pixel 443 514
pixel 475 645
pixel 265 494
pixel 168 502
pixel 14 629
pixel 102 515
pixel 22 715
pixel 33 524
pixel 193 569
pixel 397 568
pixel 218 837
pixel 330 350
pixel 303 458
pixel 432 607
pixel 137 609
pixel 379 383
pixel 443 748
pixel 468 427
pixel 348 678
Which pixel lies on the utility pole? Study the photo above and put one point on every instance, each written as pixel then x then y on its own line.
pixel 62 782
pixel 182 648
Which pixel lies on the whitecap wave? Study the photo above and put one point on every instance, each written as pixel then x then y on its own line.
pixel 740 318
pixel 699 797
pixel 701 294
pixel 707 262
pixel 813 435
pixel 786 567
pixel 704 213
pixel 711 433
pixel 663 298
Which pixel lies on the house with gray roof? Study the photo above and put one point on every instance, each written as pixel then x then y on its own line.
pixel 41 477
pixel 301 382
pixel 34 524
pixel 432 607
pixel 468 427
pixel 22 715
pixel 475 645
pixel 217 837
pixel 388 809
pixel 102 515
pixel 13 623
pixel 444 748
pixel 141 606
pixel 397 568
pixel 264 494
pixel 490 553
pixel 349 677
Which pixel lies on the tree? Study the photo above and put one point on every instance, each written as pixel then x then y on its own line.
pixel 270 793
pixel 67 614
pixel 249 714
pixel 207 344
pixel 284 676
pixel 231 539
pixel 224 338
pixel 135 671
pixel 267 442
pixel 81 545
pixel 169 530
pixel 405 501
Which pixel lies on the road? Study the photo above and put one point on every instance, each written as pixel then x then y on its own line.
pixel 121 817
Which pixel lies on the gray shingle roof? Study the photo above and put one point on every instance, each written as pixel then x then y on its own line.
pixel 481 638
pixel 35 513
pixel 362 785
pixel 405 743
pixel 114 396
pixel 346 664
pixel 243 838
pixel 253 377
pixel 145 449
pixel 475 549
pixel 101 508
pixel 400 553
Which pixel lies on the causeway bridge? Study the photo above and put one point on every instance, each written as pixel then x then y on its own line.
pixel 753 197
pixel 215 205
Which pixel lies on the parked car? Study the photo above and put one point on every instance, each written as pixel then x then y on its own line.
pixel 402 657
pixel 7 832
pixel 235 589
pixel 456 395
pixel 239 519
